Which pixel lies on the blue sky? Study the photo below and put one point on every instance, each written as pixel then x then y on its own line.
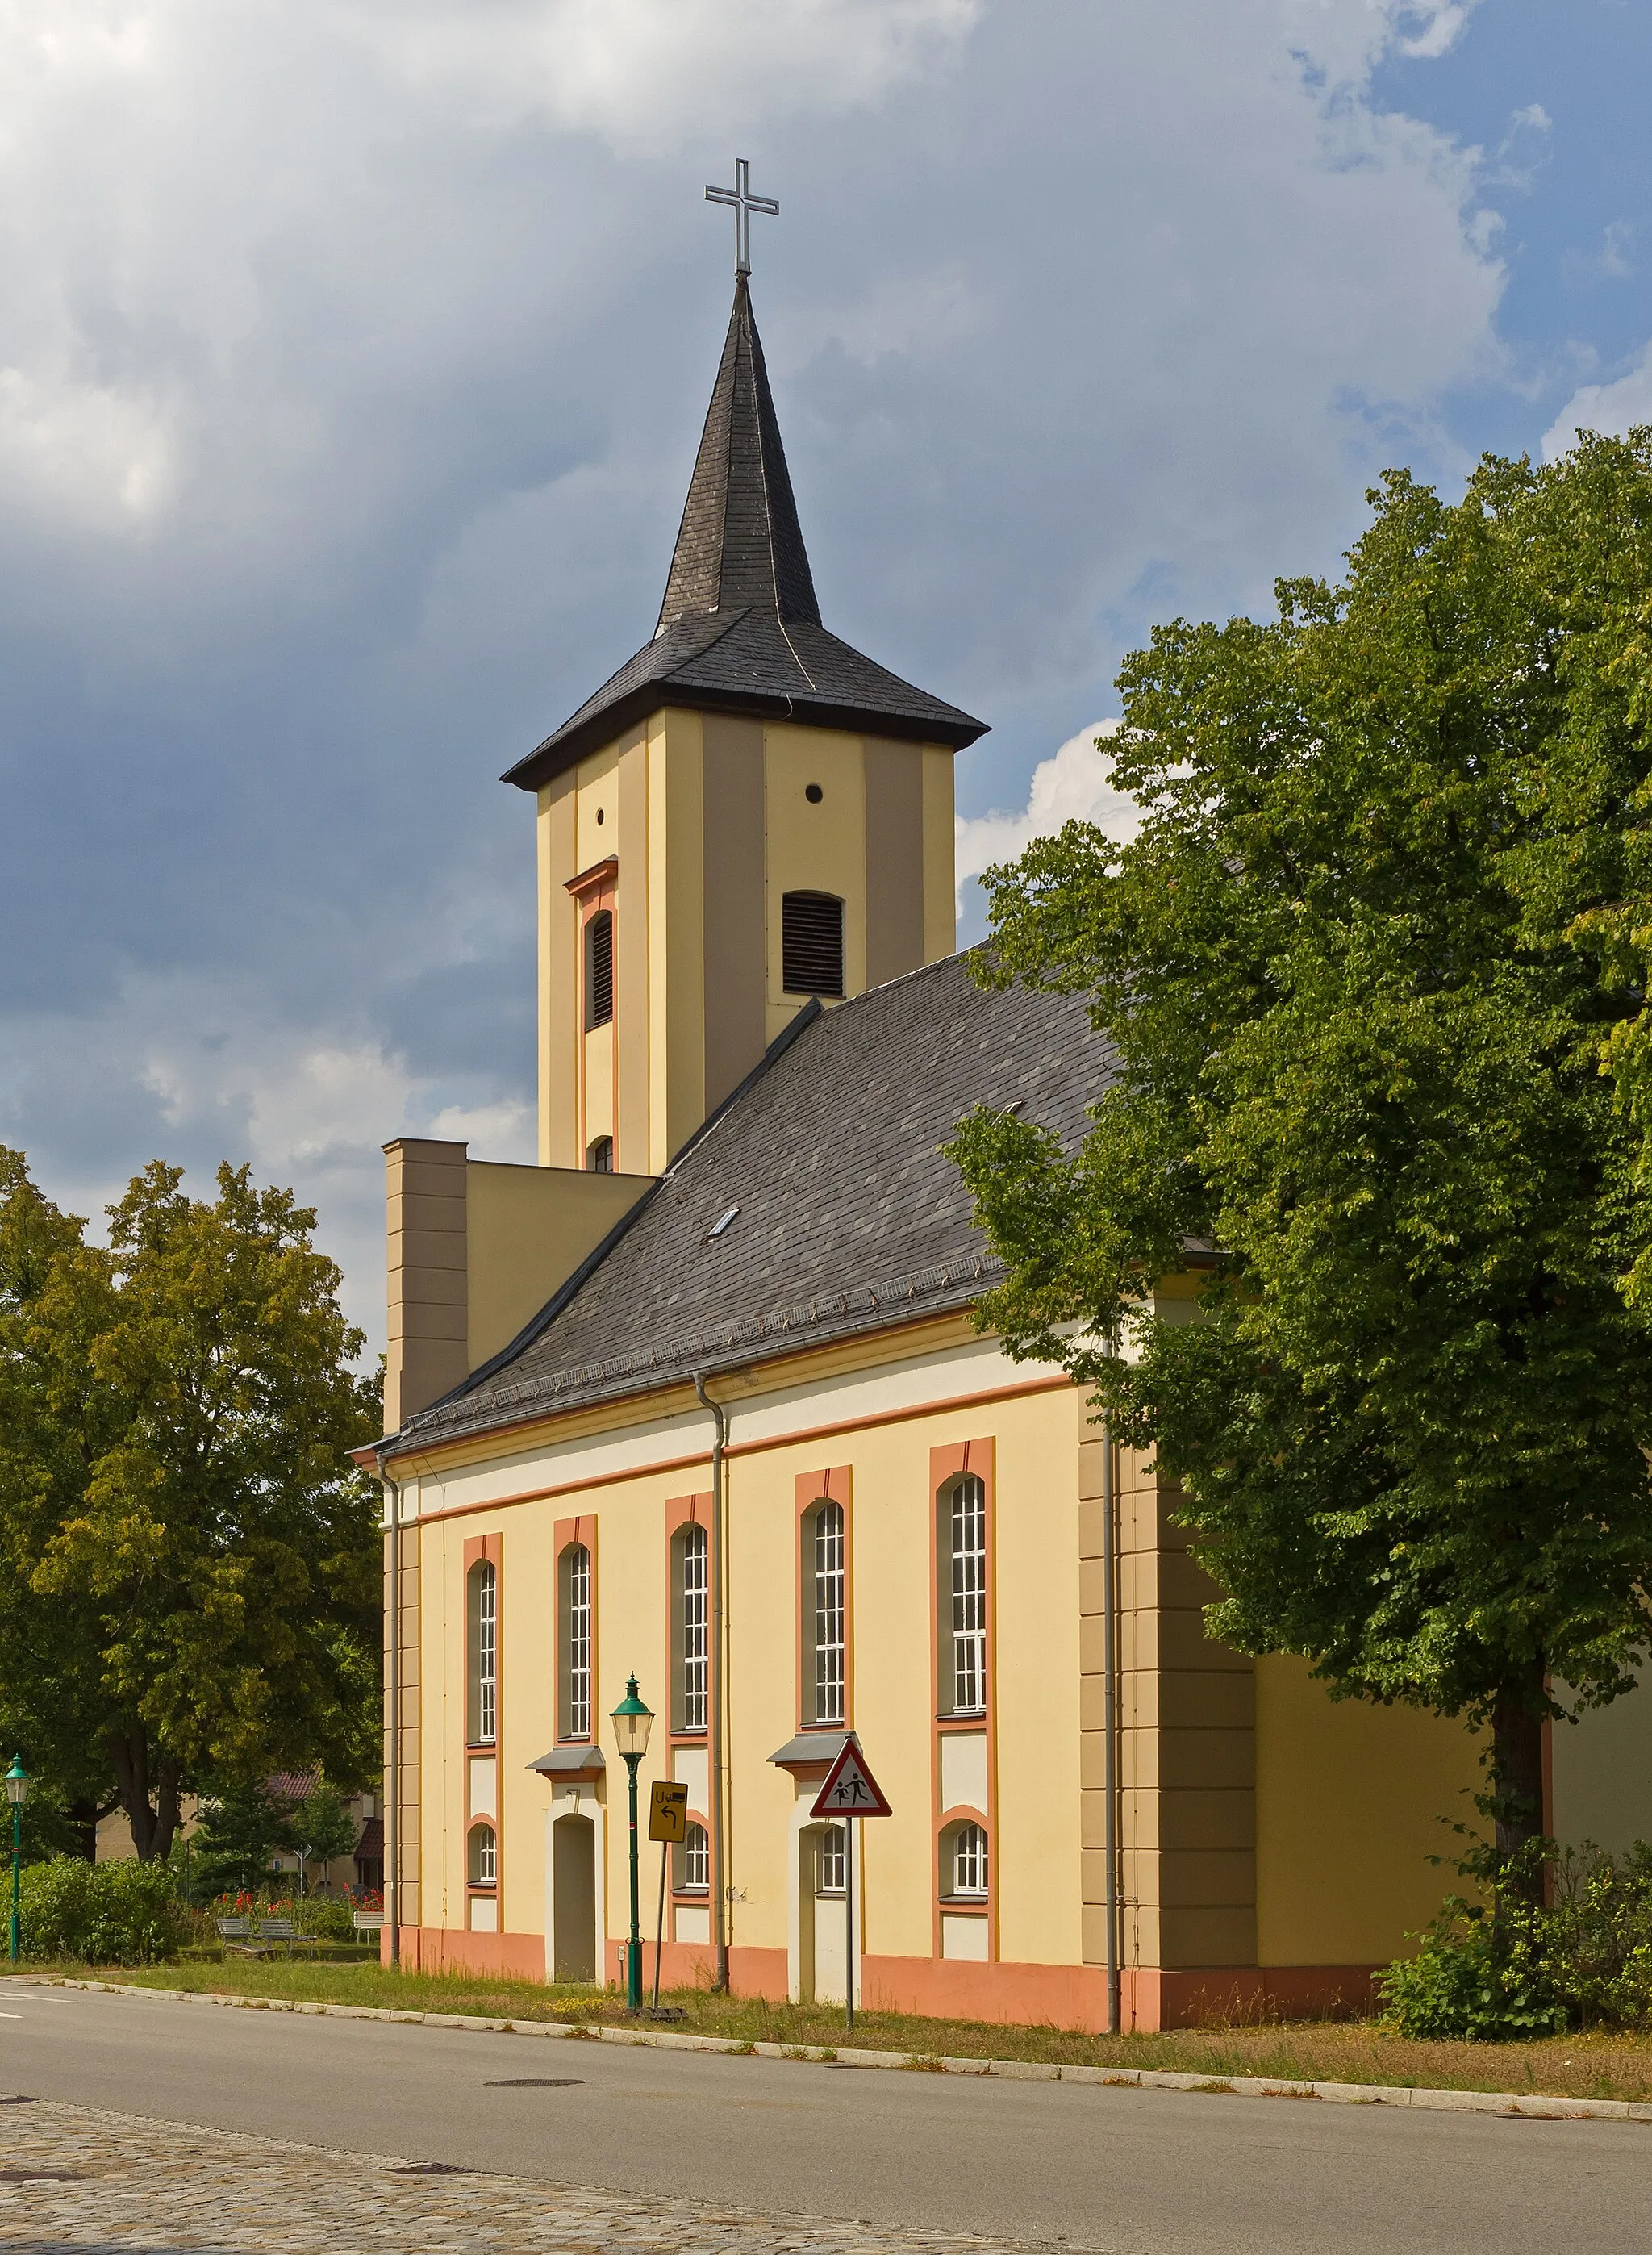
pixel 352 360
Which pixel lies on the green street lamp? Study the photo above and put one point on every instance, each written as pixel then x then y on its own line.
pixel 631 1721
pixel 17 1794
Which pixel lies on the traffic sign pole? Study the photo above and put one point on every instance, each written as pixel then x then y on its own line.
pixel 850 1792
pixel 848 1926
pixel 669 1824
pixel 659 1931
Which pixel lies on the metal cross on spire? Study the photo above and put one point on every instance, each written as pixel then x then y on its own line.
pixel 745 203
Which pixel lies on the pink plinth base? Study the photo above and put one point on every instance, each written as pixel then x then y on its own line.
pixel 1056 1996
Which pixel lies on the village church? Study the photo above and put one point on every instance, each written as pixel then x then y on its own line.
pixel 699 1398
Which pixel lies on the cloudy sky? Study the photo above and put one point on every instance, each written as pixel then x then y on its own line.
pixel 352 360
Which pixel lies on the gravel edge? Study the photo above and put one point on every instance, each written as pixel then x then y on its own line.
pixel 1536 2105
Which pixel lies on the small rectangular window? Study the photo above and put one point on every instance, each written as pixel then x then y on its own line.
pixel 833 1877
pixel 812 944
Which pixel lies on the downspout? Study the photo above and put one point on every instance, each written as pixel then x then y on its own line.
pixel 393 1799
pixel 1109 1712
pixel 719 1671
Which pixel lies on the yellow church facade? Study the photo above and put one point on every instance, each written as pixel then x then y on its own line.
pixel 699 1398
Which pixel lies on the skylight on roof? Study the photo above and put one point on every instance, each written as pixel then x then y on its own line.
pixel 721 1223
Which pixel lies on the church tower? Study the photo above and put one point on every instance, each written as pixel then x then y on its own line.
pixel 748 814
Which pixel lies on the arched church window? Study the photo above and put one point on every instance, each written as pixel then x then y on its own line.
pixel 483 1858
pixel 963 1862
pixel 574 1574
pixel 600 1156
pixel 826 1564
pixel 692 1626
pixel 482 1608
pixel 600 970
pixel 812 944
pixel 696 1861
pixel 962 1551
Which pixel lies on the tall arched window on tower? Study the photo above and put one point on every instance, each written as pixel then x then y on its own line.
pixel 825 1588
pixel 812 944
pixel 961 1516
pixel 600 970
pixel 691 1626
pixel 574 1643
pixel 482 1626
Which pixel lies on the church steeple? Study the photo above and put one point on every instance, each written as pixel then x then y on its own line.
pixel 748 814
pixel 740 542
pixel 741 630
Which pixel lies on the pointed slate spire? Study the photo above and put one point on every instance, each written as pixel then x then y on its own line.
pixel 741 545
pixel 740 630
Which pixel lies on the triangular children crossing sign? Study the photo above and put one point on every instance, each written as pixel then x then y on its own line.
pixel 850 1789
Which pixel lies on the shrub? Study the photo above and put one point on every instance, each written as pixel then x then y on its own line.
pixel 1470 1982
pixel 1582 1956
pixel 330 1918
pixel 117 1914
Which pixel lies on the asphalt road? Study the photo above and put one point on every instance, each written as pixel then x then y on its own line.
pixel 1132 2172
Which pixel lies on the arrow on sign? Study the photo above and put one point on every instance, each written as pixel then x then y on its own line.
pixel 850 1789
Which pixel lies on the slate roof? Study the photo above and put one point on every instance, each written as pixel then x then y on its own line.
pixel 741 630
pixel 850 1218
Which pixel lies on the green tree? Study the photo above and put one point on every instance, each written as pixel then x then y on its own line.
pixel 320 1829
pixel 242 1827
pixel 189 1571
pixel 1362 966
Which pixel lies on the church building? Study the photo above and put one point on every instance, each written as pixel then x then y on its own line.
pixel 699 1398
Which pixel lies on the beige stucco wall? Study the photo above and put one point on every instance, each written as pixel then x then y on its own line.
pixel 528 1229
pixel 1601 1768
pixel 708 818
pixel 1038 1813
pixel 1350 1799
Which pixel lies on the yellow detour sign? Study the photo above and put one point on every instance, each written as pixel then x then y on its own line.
pixel 668 1810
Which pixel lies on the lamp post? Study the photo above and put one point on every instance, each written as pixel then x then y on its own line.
pixel 631 1721
pixel 17 1794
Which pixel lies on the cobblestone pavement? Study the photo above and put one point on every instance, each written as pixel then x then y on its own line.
pixel 71 2179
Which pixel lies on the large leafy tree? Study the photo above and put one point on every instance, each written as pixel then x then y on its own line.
pixel 188 1562
pixel 1369 969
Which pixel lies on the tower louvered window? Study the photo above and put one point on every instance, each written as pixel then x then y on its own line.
pixel 600 970
pixel 812 944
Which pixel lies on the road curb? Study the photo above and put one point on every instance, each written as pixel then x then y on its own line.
pixel 1533 2105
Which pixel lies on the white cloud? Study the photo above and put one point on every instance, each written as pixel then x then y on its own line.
pixel 1613 408
pixel 200 1071
pixel 352 356
pixel 1074 785
pixel 648 76
pixel 1616 258
pixel 1439 30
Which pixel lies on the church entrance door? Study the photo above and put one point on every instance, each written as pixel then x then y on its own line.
pixel 574 1899
pixel 821 1890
